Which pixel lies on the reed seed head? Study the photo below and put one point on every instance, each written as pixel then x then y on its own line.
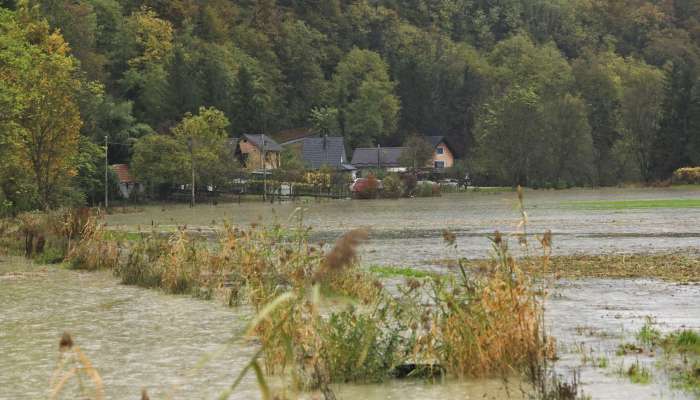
pixel 449 237
pixel 66 342
pixel 344 252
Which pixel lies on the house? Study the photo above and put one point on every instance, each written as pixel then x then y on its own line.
pixel 443 154
pixel 126 183
pixel 388 157
pixel 378 157
pixel 317 152
pixel 251 150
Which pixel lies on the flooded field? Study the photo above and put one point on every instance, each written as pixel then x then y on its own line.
pixel 139 338
pixel 408 231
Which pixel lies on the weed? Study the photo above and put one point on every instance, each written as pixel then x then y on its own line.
pixel 688 378
pixel 407 272
pixel 685 341
pixel 648 335
pixel 602 362
pixel 628 348
pixel 637 373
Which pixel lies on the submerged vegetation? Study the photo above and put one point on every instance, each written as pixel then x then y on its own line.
pixel 320 319
pixel 635 204
pixel 676 267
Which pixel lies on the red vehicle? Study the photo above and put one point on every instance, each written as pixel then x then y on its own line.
pixel 365 187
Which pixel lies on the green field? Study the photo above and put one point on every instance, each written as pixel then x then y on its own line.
pixel 634 204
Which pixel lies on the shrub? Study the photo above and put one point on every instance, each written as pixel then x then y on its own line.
pixel 393 186
pixel 428 189
pixel 368 188
pixel 356 348
pixel 409 181
pixel 688 175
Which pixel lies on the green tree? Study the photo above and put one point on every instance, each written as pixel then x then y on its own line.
pixel 146 79
pixel 571 152
pixel 299 51
pixel 600 87
pixel 324 120
pixel 42 118
pixel 643 93
pixel 509 137
pixel 417 152
pixel 364 95
pixel 251 105
pixel 158 162
pixel 204 136
pixel 671 146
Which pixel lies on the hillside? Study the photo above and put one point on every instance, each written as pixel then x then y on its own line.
pixel 530 91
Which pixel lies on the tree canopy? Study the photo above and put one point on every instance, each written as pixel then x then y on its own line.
pixel 573 91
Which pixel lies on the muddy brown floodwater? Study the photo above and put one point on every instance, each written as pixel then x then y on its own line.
pixel 408 231
pixel 142 338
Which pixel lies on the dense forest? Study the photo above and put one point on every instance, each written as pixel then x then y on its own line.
pixel 572 92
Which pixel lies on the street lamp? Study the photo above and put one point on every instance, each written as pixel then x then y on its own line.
pixel 264 168
pixel 190 145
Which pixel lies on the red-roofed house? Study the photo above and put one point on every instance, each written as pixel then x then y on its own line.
pixel 127 184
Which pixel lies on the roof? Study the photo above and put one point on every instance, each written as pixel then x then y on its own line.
pixel 319 151
pixel 257 141
pixel 436 140
pixel 380 157
pixel 293 134
pixel 123 175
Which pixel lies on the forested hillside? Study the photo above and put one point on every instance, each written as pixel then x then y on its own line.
pixel 530 91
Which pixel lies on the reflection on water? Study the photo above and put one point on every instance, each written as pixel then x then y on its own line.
pixel 407 231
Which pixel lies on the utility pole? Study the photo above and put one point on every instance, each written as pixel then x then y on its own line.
pixel 264 168
pixel 106 172
pixel 190 142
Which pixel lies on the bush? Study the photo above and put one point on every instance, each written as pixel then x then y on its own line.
pixel 356 348
pixel 688 175
pixel 428 189
pixel 368 188
pixel 409 182
pixel 393 186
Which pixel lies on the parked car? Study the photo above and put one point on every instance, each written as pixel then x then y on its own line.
pixel 361 184
pixel 449 182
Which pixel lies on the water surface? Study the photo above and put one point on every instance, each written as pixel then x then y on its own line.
pixel 408 231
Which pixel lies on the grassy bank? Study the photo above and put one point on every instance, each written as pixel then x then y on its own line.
pixel 633 204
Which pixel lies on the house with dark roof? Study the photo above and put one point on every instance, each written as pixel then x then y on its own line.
pixel 257 152
pixel 388 157
pixel 126 183
pixel 377 157
pixel 316 152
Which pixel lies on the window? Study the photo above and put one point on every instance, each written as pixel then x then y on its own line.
pixel 439 164
pixel 440 150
